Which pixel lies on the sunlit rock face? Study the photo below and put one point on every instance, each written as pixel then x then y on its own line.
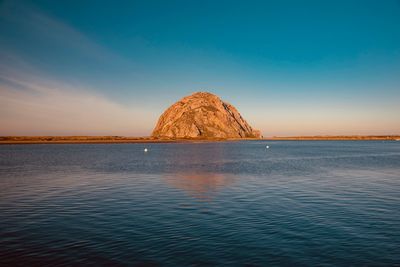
pixel 203 115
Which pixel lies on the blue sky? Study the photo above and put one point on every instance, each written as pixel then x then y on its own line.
pixel 112 67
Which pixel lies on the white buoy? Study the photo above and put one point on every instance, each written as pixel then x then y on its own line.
pixel 267 147
pixel 145 150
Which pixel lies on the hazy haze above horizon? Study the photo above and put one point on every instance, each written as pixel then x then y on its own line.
pixel 111 68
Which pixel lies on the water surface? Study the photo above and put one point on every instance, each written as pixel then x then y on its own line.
pixel 298 203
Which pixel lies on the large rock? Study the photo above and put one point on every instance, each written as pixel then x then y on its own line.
pixel 203 115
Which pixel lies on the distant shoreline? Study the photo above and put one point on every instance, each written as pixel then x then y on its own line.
pixel 7 140
pixel 338 137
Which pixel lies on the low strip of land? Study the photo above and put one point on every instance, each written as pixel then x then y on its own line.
pixel 123 139
pixel 100 140
pixel 338 137
pixel 77 140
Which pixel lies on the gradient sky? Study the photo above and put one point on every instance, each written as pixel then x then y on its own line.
pixel 111 67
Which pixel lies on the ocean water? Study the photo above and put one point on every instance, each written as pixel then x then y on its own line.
pixel 298 203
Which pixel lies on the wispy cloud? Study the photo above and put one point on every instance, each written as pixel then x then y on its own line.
pixel 44 29
pixel 30 104
pixel 35 102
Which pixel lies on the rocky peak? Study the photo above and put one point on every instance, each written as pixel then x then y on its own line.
pixel 203 115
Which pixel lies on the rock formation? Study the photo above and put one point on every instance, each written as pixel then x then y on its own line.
pixel 203 115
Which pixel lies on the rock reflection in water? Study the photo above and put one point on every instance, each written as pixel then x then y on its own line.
pixel 203 186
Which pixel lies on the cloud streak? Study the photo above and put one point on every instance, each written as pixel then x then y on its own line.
pixel 45 30
pixel 34 102
pixel 31 104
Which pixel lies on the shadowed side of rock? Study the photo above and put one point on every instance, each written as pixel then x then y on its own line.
pixel 203 115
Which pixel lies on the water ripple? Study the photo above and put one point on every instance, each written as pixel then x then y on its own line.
pixel 218 204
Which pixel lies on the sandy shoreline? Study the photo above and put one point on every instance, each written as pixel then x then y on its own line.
pixel 122 140
pixel 339 138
